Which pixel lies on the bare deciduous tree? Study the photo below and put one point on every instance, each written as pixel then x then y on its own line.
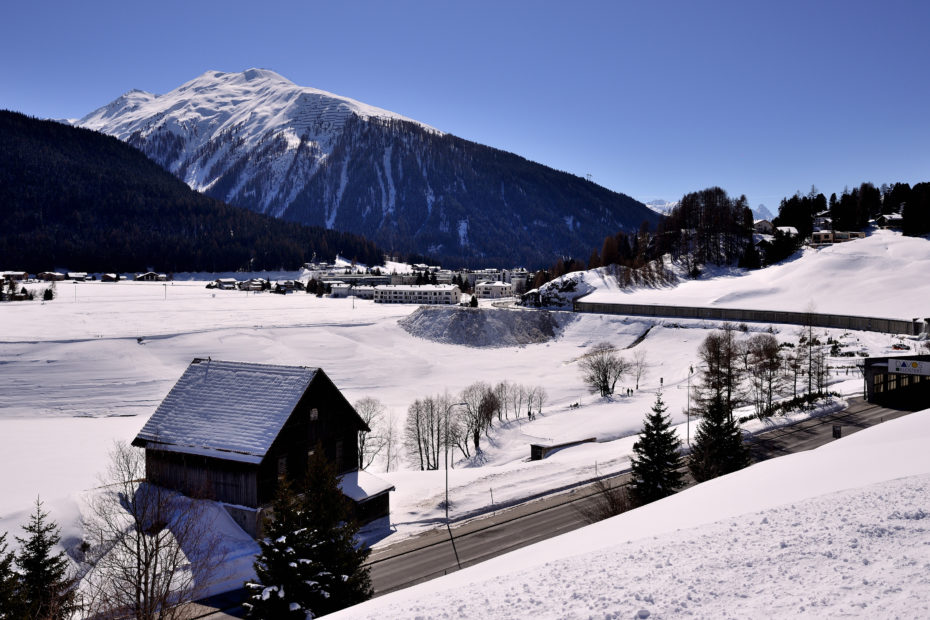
pixel 150 549
pixel 536 398
pixel 606 501
pixel 424 435
pixel 370 444
pixel 390 441
pixel 639 365
pixel 602 367
pixel 764 366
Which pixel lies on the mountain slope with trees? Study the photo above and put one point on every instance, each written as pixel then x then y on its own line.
pixel 73 198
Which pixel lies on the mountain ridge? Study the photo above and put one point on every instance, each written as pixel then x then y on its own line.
pixel 256 140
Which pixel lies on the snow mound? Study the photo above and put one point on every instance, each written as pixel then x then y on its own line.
pixel 485 327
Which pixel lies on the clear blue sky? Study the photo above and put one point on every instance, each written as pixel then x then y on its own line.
pixel 650 98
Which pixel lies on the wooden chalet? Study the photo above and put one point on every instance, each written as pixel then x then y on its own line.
pixel 230 430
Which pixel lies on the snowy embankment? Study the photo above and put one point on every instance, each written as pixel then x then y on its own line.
pixel 485 327
pixel 837 531
pixel 883 275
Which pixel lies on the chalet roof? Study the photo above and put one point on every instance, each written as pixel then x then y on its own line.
pixel 360 486
pixel 228 410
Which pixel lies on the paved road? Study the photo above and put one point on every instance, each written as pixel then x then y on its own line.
pixel 431 554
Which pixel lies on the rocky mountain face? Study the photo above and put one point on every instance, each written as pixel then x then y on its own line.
pixel 256 140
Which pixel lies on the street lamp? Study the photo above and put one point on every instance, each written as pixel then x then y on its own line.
pixel 448 527
pixel 448 409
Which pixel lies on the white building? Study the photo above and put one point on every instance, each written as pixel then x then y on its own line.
pixel 493 290
pixel 413 294
pixel 363 292
pixel 339 289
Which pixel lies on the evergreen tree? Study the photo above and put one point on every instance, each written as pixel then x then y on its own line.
pixel 310 564
pixel 45 583
pixel 11 601
pixel 718 444
pixel 288 575
pixel 656 459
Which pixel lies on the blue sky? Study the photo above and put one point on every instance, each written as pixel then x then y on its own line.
pixel 653 99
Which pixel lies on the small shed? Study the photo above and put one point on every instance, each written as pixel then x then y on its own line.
pixel 231 430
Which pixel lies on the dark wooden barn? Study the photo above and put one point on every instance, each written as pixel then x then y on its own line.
pixel 230 430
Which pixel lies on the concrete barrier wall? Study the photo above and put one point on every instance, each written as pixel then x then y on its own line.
pixel 839 321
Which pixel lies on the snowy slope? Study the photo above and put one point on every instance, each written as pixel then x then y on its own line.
pixel 838 531
pixel 883 275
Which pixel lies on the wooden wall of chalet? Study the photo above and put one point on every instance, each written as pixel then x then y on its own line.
pixel 199 476
pixel 375 508
pixel 335 428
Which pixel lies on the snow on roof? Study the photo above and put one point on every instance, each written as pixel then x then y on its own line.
pixel 791 230
pixel 228 410
pixel 360 486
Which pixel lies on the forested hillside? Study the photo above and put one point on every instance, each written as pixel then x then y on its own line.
pixel 73 198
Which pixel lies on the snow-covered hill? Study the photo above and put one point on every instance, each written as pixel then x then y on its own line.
pixel 882 275
pixel 835 532
pixel 256 140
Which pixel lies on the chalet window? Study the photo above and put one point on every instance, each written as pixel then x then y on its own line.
pixel 282 467
pixel 314 415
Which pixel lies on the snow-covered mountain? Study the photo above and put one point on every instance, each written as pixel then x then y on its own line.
pixel 256 140
pixel 762 213
pixel 663 207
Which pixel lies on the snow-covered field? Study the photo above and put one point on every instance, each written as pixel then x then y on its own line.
pixel 90 367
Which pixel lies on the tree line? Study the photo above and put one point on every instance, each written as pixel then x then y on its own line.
pixel 442 422
pixel 78 199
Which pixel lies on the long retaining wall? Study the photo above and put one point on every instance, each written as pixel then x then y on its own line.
pixel 840 321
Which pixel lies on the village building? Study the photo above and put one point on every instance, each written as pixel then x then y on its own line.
pixel 14 276
pixel 828 237
pixel 226 284
pixel 150 276
pixel 893 221
pixel 493 290
pixel 447 294
pixel 764 227
pixel 363 292
pixel 51 276
pixel 109 277
pixel 338 288
pixel 229 431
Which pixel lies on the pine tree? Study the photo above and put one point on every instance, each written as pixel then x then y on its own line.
pixel 11 601
pixel 46 586
pixel 310 562
pixel 288 577
pixel 718 444
pixel 656 459
pixel 328 516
